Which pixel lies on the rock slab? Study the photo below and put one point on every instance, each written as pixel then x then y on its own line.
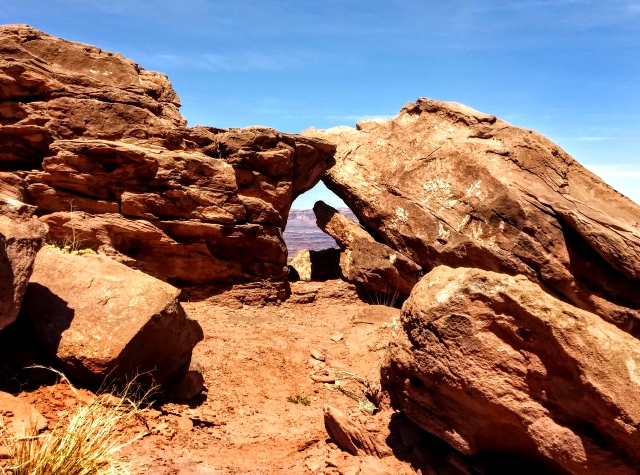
pixel 364 261
pixel 493 364
pixel 101 319
pixel 21 236
pixel 347 433
pixel 444 184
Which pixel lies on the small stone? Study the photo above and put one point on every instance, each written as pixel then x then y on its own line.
pixel 152 414
pixel 314 464
pixel 314 362
pixel 323 379
pixel 337 337
pixel 19 416
pixel 188 382
pixel 4 453
pixel 318 355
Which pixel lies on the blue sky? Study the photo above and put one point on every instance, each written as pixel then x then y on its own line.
pixel 567 68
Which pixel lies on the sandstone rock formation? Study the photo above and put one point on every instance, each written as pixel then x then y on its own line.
pixel 492 364
pixel 21 236
pixel 97 143
pixel 444 184
pixel 374 265
pixel 101 319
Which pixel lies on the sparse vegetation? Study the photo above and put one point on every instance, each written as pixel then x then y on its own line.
pixel 342 380
pixel 86 442
pixel 388 298
pixel 71 244
pixel 70 250
pixel 299 400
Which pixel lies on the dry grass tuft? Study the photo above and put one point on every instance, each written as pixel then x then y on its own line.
pixel 299 400
pixel 388 298
pixel 86 442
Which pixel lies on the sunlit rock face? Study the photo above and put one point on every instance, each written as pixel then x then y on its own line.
pixel 493 364
pixel 444 184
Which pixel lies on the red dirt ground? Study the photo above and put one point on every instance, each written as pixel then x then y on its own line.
pixel 255 358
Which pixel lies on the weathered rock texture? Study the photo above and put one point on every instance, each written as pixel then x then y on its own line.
pixel 374 265
pixel 493 364
pixel 447 185
pixel 90 131
pixel 21 236
pixel 101 319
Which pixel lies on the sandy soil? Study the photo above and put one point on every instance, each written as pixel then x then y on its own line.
pixel 256 358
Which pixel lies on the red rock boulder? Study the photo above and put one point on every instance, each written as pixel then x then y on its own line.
pixel 444 184
pixel 100 319
pixel 494 365
pixel 363 260
pixel 21 236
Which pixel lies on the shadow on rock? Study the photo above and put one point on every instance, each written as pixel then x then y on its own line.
pixel 431 455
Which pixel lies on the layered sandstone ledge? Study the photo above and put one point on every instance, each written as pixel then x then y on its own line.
pixel 98 144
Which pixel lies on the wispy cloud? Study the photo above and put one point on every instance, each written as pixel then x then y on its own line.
pixel 615 171
pixel 341 117
pixel 239 62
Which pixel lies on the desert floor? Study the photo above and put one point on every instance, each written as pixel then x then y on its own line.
pixel 255 359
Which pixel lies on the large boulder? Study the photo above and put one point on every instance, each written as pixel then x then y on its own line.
pixel 493 364
pixel 100 319
pixel 98 144
pixel 364 261
pixel 21 236
pixel 444 184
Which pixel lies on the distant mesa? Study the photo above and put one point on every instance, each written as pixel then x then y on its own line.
pixel 302 232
